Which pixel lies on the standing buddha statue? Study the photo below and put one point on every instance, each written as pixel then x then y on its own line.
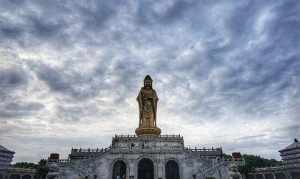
pixel 147 100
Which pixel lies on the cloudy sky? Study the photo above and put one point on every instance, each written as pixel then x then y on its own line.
pixel 227 73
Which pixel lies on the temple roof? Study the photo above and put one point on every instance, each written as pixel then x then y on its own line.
pixel 5 149
pixel 294 145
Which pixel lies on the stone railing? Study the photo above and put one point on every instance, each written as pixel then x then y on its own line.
pixel 171 136
pixel 202 149
pixel 277 168
pixel 89 150
pixel 148 149
pixel 160 136
pixel 128 138
pixel 125 136
pixel 87 153
pixel 205 152
pixel 20 170
pixel 64 161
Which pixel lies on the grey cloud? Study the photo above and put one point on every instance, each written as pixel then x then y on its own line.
pixel 11 81
pixel 148 12
pixel 95 13
pixel 249 80
pixel 19 109
pixel 10 31
pixel 43 29
pixel 242 19
pixel 54 78
pixel 290 130
pixel 10 78
pixel 46 145
pixel 283 137
pixel 81 86
pixel 81 112
pixel 69 82
pixel 32 28
pixel 251 137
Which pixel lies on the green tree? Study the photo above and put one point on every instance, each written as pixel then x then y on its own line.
pixel 226 156
pixel 42 169
pixel 253 161
pixel 25 165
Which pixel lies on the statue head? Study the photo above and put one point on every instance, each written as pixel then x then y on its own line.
pixel 148 82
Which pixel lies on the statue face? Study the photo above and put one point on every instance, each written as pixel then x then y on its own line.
pixel 148 84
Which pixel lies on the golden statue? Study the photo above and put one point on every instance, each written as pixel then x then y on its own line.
pixel 147 100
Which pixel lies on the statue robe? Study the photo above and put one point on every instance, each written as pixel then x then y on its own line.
pixel 147 100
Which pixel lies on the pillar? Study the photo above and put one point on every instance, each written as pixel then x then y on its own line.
pixel 132 170
pixel 160 169
pixel 288 175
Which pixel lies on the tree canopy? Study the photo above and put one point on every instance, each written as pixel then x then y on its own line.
pixel 253 161
pixel 41 167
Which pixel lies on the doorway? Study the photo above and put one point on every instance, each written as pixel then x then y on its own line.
pixel 172 170
pixel 145 169
pixel 119 170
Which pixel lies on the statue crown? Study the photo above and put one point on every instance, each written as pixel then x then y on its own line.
pixel 148 77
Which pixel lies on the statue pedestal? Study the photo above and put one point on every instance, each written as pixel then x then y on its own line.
pixel 148 131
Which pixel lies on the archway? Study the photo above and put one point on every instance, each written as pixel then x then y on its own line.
pixel 119 170
pixel 15 176
pixel 172 170
pixel 145 169
pixel 26 177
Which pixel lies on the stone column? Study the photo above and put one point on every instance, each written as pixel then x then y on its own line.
pixel 132 170
pixel 160 168
pixel 156 168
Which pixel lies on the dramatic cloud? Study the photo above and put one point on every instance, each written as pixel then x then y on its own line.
pixel 227 73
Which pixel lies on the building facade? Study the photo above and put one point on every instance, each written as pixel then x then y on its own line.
pixel 290 168
pixel 8 172
pixel 146 155
pixel 6 157
pixel 18 173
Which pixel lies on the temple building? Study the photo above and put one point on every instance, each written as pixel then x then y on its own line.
pixel 145 155
pixel 7 171
pixel 6 157
pixel 291 157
